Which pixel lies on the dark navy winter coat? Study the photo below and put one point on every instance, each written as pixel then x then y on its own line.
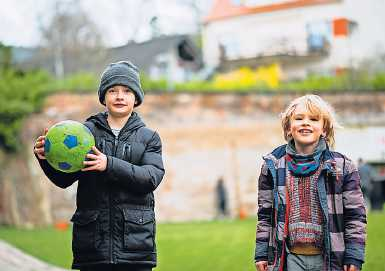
pixel 114 220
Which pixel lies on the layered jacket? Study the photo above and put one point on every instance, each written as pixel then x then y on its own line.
pixel 114 220
pixel 342 206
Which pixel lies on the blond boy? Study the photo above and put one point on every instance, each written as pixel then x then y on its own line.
pixel 311 210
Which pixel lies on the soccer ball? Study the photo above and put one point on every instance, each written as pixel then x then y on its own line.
pixel 67 144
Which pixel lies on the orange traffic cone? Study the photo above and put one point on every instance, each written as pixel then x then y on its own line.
pixel 242 213
pixel 61 225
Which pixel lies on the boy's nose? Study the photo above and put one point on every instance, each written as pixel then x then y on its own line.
pixel 119 95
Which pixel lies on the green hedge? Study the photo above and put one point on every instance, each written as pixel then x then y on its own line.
pixel 319 83
pixel 75 83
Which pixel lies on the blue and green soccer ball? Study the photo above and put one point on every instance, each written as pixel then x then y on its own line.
pixel 67 144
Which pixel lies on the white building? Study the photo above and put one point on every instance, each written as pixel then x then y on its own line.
pixel 303 36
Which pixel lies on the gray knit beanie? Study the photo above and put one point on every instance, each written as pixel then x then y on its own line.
pixel 121 73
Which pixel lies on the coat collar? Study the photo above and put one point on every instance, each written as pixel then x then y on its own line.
pixel 276 159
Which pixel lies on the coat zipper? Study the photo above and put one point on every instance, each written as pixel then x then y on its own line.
pixel 112 260
pixel 325 212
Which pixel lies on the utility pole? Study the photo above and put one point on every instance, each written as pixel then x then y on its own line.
pixel 58 48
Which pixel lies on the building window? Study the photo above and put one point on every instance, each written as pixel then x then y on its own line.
pixel 319 36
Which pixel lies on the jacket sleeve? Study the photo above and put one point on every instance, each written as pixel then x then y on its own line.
pixel 265 206
pixel 60 179
pixel 354 216
pixel 141 179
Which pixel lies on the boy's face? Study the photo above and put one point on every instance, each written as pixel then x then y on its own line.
pixel 120 101
pixel 306 128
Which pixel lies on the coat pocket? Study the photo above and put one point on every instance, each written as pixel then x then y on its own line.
pixel 85 230
pixel 139 230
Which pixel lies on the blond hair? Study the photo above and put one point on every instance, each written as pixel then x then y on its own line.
pixel 317 106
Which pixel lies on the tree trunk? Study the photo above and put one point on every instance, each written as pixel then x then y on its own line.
pixel 9 203
pixel 41 193
pixel 24 198
pixel 9 214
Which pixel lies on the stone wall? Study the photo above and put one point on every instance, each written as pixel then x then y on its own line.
pixel 205 137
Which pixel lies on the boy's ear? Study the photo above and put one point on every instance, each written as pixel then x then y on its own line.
pixel 288 133
pixel 324 132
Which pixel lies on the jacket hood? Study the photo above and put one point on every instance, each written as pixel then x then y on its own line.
pixel 133 123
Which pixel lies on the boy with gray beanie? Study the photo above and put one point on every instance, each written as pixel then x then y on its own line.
pixel 114 223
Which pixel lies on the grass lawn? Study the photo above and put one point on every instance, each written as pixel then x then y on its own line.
pixel 218 245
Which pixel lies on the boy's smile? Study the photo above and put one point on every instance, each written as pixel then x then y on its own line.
pixel 306 129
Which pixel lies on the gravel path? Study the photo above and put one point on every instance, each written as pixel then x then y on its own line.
pixel 12 259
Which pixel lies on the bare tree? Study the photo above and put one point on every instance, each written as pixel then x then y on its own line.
pixel 72 38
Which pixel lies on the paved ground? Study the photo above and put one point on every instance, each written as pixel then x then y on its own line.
pixel 12 259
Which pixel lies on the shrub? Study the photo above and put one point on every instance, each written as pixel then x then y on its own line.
pixel 21 94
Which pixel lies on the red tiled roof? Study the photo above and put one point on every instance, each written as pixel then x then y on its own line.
pixel 223 9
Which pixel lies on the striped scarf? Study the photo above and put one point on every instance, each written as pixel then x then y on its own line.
pixel 304 165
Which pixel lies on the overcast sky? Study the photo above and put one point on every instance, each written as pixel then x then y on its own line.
pixel 20 20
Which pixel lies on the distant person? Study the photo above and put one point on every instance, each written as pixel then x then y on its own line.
pixel 114 222
pixel 367 177
pixel 311 213
pixel 221 198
